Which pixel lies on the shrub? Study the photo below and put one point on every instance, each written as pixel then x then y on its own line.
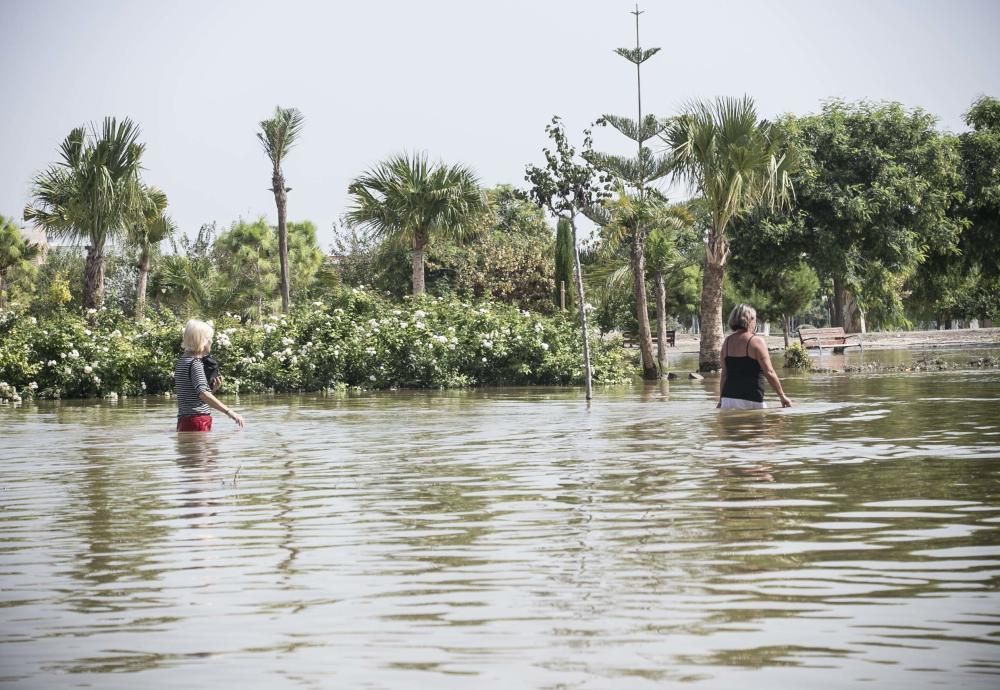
pixel 797 357
pixel 354 338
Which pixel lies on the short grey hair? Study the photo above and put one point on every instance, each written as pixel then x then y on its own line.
pixel 740 316
pixel 197 336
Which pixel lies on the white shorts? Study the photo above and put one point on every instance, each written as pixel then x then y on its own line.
pixel 740 404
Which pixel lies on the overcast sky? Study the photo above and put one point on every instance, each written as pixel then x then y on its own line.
pixel 465 81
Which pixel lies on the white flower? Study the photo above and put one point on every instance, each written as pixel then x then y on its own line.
pixel 396 312
pixel 91 312
pixel 484 359
pixel 372 322
pixel 419 314
pixel 268 328
pixel 370 350
pixel 488 344
pixel 143 385
pixel 420 325
pixel 33 386
pixel 33 320
pixel 441 338
pixel 97 380
pixel 67 370
pixel 52 362
pixel 545 346
pixel 88 369
pixel 73 354
pixel 116 333
pixel 287 341
pixel 538 327
pixel 451 346
pixel 372 377
pixel 260 355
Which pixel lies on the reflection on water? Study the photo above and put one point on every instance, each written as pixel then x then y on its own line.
pixel 512 538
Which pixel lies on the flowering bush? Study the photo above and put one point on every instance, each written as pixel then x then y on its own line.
pixel 355 338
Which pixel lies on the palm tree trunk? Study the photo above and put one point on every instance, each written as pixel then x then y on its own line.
pixel 638 261
pixel 281 201
pixel 140 285
pixel 709 351
pixel 581 304
pixel 787 326
pixel 3 289
pixel 93 278
pixel 418 263
pixel 661 320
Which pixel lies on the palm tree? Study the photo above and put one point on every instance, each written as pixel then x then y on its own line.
pixel 732 158
pixel 408 200
pixel 92 194
pixel 16 253
pixel 278 135
pixel 661 255
pixel 144 234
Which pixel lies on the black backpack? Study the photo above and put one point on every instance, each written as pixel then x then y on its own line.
pixel 210 366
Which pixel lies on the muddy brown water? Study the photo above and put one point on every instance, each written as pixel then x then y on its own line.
pixel 510 538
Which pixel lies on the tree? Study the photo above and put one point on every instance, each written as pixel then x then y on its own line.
pixel 637 173
pixel 248 265
pixel 878 188
pixel 407 200
pixel 144 235
pixel 563 262
pixel 92 194
pixel 566 187
pixel 732 158
pixel 277 135
pixel 16 255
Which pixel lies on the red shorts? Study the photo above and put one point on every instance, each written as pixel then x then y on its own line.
pixel 198 422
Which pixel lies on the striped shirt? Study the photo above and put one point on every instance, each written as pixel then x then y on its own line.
pixel 189 382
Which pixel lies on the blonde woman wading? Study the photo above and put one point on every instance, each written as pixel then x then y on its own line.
pixel 194 393
pixel 745 365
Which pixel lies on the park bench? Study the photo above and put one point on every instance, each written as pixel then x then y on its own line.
pixel 632 339
pixel 834 338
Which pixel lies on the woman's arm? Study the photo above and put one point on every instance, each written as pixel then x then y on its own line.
pixel 758 350
pixel 212 401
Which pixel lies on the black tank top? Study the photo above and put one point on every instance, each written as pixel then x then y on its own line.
pixel 744 377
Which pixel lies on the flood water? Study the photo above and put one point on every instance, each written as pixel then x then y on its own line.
pixel 510 539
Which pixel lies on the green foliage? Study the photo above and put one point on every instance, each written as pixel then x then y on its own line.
pixel 279 133
pixel 564 262
pixel 355 338
pixel 16 258
pixel 93 194
pixel 877 192
pixel 410 202
pixel 797 357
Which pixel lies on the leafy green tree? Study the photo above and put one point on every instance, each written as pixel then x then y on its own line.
pixel 407 200
pixel 16 255
pixel 277 135
pixel 637 173
pixel 878 188
pixel 92 194
pixel 186 280
pixel 732 158
pixel 566 187
pixel 563 261
pixel 248 265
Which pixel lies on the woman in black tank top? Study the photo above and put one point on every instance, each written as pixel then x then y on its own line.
pixel 745 365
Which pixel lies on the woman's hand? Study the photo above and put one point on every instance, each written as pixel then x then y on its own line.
pixel 241 424
pixel 785 401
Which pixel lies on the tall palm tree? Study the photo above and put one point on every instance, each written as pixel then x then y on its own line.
pixel 16 253
pixel 144 235
pixel 92 194
pixel 732 158
pixel 278 135
pixel 408 200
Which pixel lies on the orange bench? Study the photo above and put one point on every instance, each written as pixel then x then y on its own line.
pixel 834 338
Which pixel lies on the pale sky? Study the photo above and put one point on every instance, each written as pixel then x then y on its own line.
pixel 465 81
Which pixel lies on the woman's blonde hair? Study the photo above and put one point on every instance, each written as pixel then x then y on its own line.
pixel 197 336
pixel 740 316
